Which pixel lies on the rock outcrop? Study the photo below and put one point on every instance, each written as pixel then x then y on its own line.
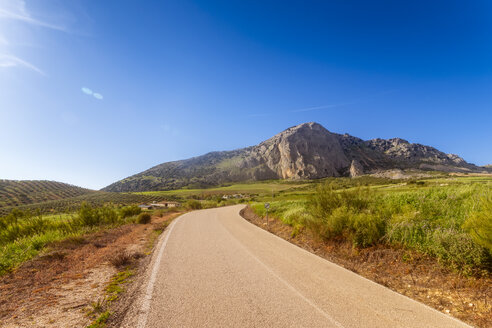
pixel 305 151
pixel 356 169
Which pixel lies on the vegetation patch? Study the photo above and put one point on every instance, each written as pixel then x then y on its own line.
pixel 24 235
pixel 451 223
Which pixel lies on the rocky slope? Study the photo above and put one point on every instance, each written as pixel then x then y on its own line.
pixel 305 151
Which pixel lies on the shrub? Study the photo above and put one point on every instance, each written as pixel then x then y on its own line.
pixel 193 204
pixel 479 223
pixel 89 216
pixel 367 229
pixel 349 213
pixel 144 218
pixel 121 259
pixel 128 211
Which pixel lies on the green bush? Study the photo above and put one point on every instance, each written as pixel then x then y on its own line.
pixel 144 218
pixel 91 217
pixel 367 228
pixel 353 214
pixel 193 204
pixel 479 223
pixel 129 211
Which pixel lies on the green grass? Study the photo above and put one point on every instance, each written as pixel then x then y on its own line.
pixel 249 188
pixel 447 218
pixel 23 235
pixel 100 322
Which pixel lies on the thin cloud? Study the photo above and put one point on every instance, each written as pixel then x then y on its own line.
pixel 89 92
pixel 308 109
pixel 355 102
pixel 16 10
pixel 13 61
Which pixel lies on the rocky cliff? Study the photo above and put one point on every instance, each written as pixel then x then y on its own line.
pixel 305 151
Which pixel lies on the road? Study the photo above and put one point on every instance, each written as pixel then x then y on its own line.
pixel 212 268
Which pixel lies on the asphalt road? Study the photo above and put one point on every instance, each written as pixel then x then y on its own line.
pixel 212 268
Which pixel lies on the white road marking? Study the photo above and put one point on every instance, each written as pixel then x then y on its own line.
pixel 144 310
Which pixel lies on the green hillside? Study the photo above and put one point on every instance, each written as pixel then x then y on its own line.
pixel 94 198
pixel 24 192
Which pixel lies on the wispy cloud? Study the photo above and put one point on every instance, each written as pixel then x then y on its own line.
pixel 89 92
pixel 330 106
pixel 308 109
pixel 16 10
pixel 13 61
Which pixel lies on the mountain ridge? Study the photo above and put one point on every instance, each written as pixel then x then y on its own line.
pixel 304 151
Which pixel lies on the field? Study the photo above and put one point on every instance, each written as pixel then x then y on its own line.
pixel 95 198
pixel 16 193
pixel 447 217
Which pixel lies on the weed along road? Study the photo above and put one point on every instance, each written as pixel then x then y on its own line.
pixel 212 268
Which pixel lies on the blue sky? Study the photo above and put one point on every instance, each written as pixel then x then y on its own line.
pixel 167 80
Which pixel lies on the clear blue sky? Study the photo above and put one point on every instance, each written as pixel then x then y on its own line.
pixel 167 80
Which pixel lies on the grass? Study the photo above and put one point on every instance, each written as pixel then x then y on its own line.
pixel 23 235
pixel 447 218
pixel 100 322
pixel 250 188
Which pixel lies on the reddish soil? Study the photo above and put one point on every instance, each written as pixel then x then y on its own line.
pixel 57 288
pixel 409 273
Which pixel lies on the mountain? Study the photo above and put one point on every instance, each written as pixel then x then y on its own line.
pixel 24 192
pixel 305 151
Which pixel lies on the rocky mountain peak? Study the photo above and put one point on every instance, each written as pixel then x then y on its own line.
pixel 304 151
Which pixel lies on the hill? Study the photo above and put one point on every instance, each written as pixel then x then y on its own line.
pixel 305 151
pixel 25 192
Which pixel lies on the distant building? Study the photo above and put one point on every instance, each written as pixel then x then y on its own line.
pixel 159 205
pixel 232 196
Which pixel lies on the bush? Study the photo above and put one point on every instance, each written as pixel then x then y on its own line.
pixel 193 204
pixel 144 218
pixel 479 223
pixel 128 211
pixel 89 216
pixel 348 213
pixel 367 229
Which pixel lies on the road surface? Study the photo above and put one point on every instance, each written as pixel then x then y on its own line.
pixel 212 268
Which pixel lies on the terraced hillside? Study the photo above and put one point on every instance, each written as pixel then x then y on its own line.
pixel 25 192
pixel 93 198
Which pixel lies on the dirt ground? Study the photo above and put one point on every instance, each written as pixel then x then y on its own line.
pixel 409 273
pixel 58 288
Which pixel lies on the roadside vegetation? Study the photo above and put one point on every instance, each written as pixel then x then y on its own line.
pixel 449 219
pixel 23 234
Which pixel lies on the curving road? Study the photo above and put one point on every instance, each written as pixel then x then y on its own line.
pixel 212 268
